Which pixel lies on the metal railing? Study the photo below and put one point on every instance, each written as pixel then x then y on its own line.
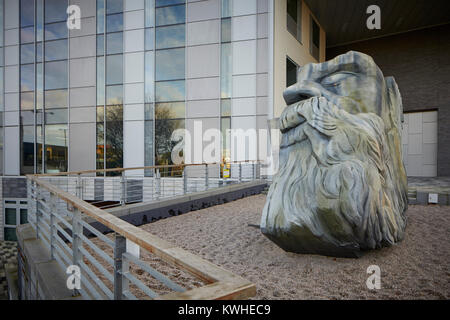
pixel 109 269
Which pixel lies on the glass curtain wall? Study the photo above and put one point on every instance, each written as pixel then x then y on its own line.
pixel 149 115
pixel 2 106
pixel 226 85
pixel 169 75
pixel 109 84
pixel 43 95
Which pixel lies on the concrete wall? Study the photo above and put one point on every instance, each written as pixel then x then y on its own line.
pixel 285 44
pixel 420 62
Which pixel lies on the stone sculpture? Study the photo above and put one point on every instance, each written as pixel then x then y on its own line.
pixel 341 185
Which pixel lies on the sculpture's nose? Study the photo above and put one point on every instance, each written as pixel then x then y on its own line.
pixel 302 90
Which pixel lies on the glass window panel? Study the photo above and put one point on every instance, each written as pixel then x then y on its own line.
pixel 114 22
pixel 226 83
pixel 27 53
pixel 100 16
pixel 1 57
pixel 170 110
pixel 149 13
pixel 100 80
pixel 114 137
pixel 39 150
pixel 39 86
pixel 27 35
pixel 170 64
pixel 114 43
pixel 114 6
pixel 170 15
pixel 148 143
pixel 39 52
pixel 226 30
pixel 39 117
pixel 10 216
pixel 56 137
pixel 27 101
pixel 114 69
pixel 163 143
pixel 27 137
pixel 56 75
pixel 226 139
pixel 149 39
pixel 56 50
pixel 26 13
pixel 55 10
pixel 170 37
pixel 39 20
pixel 170 91
pixel 148 111
pixel 114 95
pixel 55 31
pixel 100 113
pixel 55 116
pixel 100 146
pixel 291 73
pixel 315 33
pixel 27 117
pixel 1 146
pixel 27 77
pixel 162 3
pixel 149 77
pixel 56 99
pixel 10 234
pixel 100 45
pixel 23 216
pixel 226 8
pixel 292 9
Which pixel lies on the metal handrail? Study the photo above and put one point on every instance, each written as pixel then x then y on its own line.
pixel 221 284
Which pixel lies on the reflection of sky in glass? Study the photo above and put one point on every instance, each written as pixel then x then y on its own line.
pixel 56 116
pixel 226 30
pixel 226 71
pixel 56 135
pixel 27 77
pixel 55 10
pixel 27 101
pixel 56 98
pixel 226 8
pixel 114 95
pixel 114 6
pixel 100 16
pixel 170 91
pixel 56 50
pixel 39 52
pixel 114 22
pixel 100 44
pixel 100 80
pixel 149 13
pixel 170 37
pixel 149 76
pixel 170 15
pixel 39 20
pixel 56 75
pixel 27 53
pixel 26 13
pixel 114 43
pixel 114 70
pixel 161 3
pixel 27 131
pixel 55 31
pixel 170 64
pixel 149 39
pixel 27 35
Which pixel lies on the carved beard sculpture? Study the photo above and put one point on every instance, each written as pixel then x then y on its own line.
pixel 341 185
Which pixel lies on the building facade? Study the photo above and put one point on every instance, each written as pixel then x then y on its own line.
pixel 111 93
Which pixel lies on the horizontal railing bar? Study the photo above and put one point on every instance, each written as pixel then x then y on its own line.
pixel 64 233
pixel 64 222
pixel 97 281
pixel 100 235
pixel 154 273
pixel 101 253
pixel 87 283
pixel 97 264
pixel 140 285
pixel 65 247
pixel 129 295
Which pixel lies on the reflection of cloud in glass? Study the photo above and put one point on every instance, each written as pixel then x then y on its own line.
pixel 149 75
pixel 27 53
pixel 26 13
pixel 56 75
pixel 27 77
pixel 56 50
pixel 27 101
pixel 170 37
pixel 170 91
pixel 114 95
pixel 114 6
pixel 55 10
pixel 55 31
pixel 114 69
pixel 27 35
pixel 56 98
pixel 56 135
pixel 114 22
pixel 170 64
pixel 170 15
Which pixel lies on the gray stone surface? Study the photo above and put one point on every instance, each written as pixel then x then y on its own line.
pixel 341 186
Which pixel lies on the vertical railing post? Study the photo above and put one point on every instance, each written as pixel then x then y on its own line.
pixel 79 187
pixel 158 184
pixel 36 202
pixel 185 181
pixel 253 171
pixel 240 172
pixel 77 229
pixel 123 189
pixel 120 264
pixel 206 177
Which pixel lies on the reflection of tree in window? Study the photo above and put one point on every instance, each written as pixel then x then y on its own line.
pixel 114 136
